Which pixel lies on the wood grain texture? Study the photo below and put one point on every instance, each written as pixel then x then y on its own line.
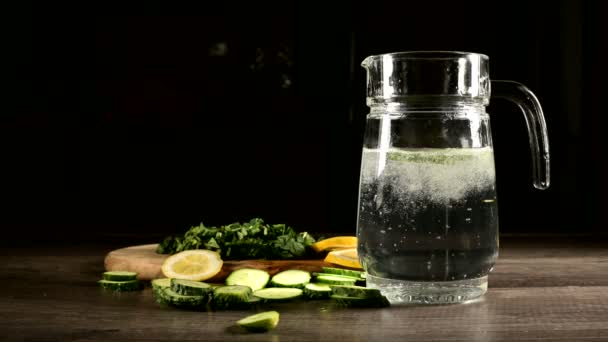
pixel 147 263
pixel 547 292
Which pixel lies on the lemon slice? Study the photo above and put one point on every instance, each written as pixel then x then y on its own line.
pixel 196 264
pixel 335 243
pixel 344 257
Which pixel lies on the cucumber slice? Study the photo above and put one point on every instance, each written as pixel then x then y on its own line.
pixel 231 296
pixel 291 278
pixel 119 275
pixel 261 322
pixel 255 279
pixel 161 283
pixel 158 289
pixel 190 287
pixel 120 286
pixel 338 275
pixel 354 302
pixel 277 294
pixel 317 291
pixel 355 291
pixel 336 280
pixel 344 272
pixel 254 300
pixel 184 302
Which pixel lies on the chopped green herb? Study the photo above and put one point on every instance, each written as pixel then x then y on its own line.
pixel 251 240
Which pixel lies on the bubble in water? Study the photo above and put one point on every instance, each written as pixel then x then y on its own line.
pixel 441 175
pixel 390 228
pixel 468 220
pixel 469 209
pixel 438 237
pixel 395 245
pixel 383 231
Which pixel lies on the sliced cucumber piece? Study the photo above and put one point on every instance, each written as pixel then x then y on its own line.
pixel 344 272
pixel 253 300
pixel 355 291
pixel 317 291
pixel 355 302
pixel 161 283
pixel 291 278
pixel 231 296
pixel 255 279
pixel 120 286
pixel 158 289
pixel 119 275
pixel 191 287
pixel 336 280
pixel 278 293
pixel 338 275
pixel 184 302
pixel 260 322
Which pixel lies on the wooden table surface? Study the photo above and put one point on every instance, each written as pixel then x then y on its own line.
pixel 542 289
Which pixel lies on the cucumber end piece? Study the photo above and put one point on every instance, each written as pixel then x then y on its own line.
pixel 261 322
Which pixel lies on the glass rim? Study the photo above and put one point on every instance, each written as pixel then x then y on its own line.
pixel 426 54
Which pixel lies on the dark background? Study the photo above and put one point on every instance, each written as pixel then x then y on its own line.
pixel 127 121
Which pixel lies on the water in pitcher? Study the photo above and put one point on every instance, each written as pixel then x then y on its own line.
pixel 427 215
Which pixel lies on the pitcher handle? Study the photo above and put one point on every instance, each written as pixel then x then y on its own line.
pixel 537 128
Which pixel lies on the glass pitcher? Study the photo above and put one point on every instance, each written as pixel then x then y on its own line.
pixel 427 223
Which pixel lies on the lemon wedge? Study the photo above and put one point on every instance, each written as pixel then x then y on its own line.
pixel 338 242
pixel 344 257
pixel 196 264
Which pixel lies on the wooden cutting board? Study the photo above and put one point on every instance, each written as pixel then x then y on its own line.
pixel 144 260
